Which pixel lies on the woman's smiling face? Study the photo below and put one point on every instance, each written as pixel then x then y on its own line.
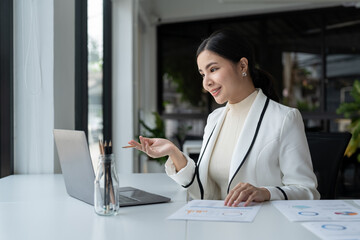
pixel 221 77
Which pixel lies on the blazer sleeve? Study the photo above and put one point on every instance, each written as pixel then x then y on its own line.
pixel 299 180
pixel 185 175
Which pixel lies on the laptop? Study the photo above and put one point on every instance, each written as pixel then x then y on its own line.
pixel 79 176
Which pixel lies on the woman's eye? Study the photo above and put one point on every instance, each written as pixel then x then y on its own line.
pixel 213 69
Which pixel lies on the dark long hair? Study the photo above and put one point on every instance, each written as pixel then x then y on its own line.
pixel 230 45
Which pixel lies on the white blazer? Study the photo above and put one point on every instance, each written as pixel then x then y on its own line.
pixel 279 159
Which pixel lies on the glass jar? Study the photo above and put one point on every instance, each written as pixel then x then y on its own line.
pixel 106 192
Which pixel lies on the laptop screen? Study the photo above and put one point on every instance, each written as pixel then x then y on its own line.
pixel 78 172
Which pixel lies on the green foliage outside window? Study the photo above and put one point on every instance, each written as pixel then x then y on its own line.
pixel 351 110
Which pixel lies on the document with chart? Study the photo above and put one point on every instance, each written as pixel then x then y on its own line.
pixel 213 210
pixel 335 230
pixel 318 210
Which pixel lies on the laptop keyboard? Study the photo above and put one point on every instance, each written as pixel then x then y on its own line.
pixel 124 199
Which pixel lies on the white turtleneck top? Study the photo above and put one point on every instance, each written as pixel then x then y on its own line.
pixel 220 160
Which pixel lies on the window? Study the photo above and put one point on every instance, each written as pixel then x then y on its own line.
pixel 93 71
pixel 95 76
pixel 342 40
pixel 6 88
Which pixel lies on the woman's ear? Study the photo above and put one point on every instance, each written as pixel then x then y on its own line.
pixel 244 64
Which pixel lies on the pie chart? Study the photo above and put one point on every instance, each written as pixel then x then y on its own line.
pixel 346 213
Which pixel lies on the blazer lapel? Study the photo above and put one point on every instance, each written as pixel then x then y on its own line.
pixel 247 133
pixel 204 161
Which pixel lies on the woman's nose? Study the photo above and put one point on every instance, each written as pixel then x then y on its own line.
pixel 207 82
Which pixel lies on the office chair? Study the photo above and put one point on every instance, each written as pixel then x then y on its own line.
pixel 327 151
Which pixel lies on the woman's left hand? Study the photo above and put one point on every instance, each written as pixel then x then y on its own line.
pixel 245 192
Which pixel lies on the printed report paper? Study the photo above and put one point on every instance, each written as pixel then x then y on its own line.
pixel 335 230
pixel 318 210
pixel 214 210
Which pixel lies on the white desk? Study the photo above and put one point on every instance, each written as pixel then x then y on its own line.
pixel 38 207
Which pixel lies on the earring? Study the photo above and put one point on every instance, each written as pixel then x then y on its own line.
pixel 244 74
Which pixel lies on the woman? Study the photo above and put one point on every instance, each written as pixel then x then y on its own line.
pixel 254 149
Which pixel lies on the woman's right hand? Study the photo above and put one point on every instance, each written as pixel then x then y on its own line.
pixel 160 147
pixel 153 147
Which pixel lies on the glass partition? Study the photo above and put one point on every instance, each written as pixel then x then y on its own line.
pixel 95 75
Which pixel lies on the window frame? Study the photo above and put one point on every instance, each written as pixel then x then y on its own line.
pixel 81 68
pixel 6 89
pixel 107 70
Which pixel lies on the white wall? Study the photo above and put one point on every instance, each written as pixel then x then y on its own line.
pixel 123 81
pixel 64 68
pixel 147 88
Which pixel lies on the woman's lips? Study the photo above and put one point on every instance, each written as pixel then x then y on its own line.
pixel 215 92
